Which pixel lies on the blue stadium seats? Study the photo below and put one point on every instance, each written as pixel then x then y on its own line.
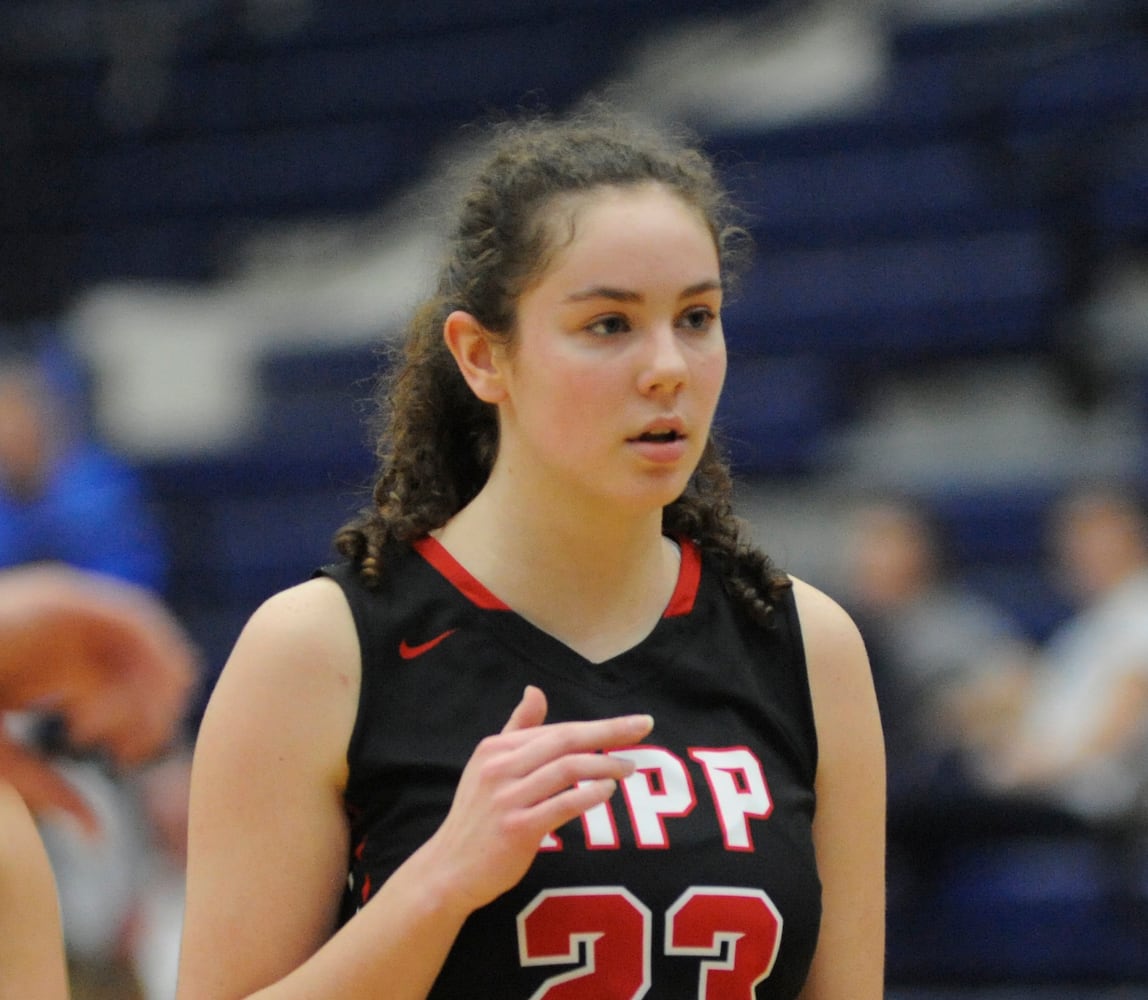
pixel 1032 910
pixel 172 250
pixel 864 192
pixel 775 413
pixel 903 301
pixel 1119 195
pixel 321 169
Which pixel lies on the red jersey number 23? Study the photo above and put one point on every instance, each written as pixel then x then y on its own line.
pixel 603 935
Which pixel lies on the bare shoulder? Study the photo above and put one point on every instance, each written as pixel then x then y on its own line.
pixel 294 670
pixel 828 630
pixel 305 631
pixel 840 678
pixel 314 613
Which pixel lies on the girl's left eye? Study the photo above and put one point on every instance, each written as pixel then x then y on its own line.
pixel 700 318
pixel 608 326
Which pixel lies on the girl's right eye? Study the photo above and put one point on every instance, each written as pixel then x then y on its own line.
pixel 608 326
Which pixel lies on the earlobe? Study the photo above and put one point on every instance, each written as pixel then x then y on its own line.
pixel 474 351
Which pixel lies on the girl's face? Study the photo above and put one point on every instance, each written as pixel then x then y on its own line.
pixel 618 357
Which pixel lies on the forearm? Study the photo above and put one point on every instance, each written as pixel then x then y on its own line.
pixel 400 938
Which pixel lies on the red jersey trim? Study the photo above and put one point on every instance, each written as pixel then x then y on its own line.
pixel 689 578
pixel 433 551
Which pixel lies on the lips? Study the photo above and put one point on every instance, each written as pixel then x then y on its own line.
pixel 659 437
pixel 661 432
pixel 662 442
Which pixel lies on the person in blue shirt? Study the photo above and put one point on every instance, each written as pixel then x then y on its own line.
pixel 64 496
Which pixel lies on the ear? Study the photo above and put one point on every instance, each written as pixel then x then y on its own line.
pixel 477 355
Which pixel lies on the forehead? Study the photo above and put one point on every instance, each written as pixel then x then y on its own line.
pixel 647 223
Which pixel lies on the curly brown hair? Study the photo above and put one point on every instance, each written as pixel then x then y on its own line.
pixel 437 441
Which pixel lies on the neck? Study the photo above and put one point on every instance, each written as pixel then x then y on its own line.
pixel 593 577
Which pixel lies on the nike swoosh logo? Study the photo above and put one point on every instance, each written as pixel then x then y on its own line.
pixel 409 652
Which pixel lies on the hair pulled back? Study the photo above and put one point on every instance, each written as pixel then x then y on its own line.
pixel 437 441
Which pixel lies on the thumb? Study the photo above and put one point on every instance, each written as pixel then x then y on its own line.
pixel 529 712
pixel 43 788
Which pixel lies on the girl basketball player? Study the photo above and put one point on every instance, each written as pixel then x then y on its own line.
pixel 553 729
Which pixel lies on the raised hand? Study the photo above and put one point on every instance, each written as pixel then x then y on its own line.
pixel 521 784
pixel 104 655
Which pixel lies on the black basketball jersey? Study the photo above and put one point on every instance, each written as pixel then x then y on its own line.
pixel 696 880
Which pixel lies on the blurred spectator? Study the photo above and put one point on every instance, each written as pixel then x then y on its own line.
pixel 951 669
pixel 66 499
pixel 110 659
pixel 1081 738
pixel 62 495
pixel 949 664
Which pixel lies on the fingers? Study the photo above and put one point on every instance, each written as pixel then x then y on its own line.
pixel 117 622
pixel 132 667
pixel 544 771
pixel 523 783
pixel 529 712
pixel 528 762
pixel 530 750
pixel 572 771
pixel 43 788
pixel 141 641
pixel 110 720
pixel 556 810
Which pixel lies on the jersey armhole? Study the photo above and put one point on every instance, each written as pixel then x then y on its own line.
pixel 795 640
pixel 345 575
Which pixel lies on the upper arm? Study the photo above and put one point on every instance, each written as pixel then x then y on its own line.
pixel 31 939
pixel 267 831
pixel 849 824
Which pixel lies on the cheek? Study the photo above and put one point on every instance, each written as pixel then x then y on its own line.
pixel 578 376
pixel 711 374
pixel 576 399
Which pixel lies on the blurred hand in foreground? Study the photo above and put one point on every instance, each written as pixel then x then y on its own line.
pixel 105 656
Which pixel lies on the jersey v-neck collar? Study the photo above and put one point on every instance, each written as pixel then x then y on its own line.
pixel 625 670
pixel 457 575
pixel 434 552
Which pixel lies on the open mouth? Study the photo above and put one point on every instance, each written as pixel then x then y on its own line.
pixel 660 437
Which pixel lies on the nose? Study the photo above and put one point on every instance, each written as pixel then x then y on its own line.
pixel 664 367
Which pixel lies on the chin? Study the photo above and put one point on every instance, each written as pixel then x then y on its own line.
pixel 657 494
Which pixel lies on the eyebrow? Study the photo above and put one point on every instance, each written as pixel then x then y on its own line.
pixel 624 295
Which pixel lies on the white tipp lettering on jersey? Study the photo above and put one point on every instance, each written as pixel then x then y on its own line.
pixel 600 827
pixel 737 784
pixel 659 788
